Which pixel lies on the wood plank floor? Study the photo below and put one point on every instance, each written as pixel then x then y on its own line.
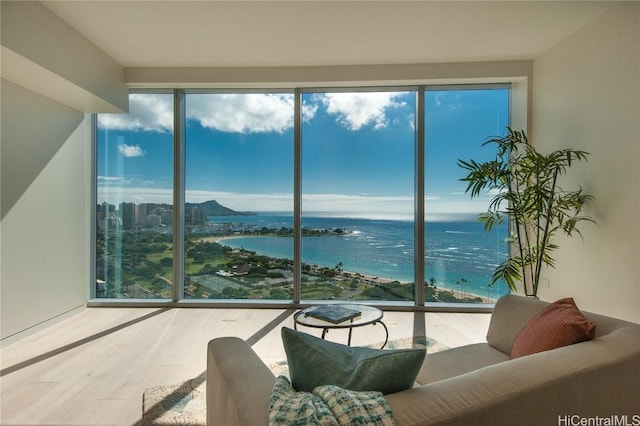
pixel 92 368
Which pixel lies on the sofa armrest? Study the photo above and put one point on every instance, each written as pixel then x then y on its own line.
pixel 510 314
pixel 239 384
pixel 596 378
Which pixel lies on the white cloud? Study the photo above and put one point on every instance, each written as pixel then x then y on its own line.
pixel 244 113
pixel 109 178
pixel 147 112
pixel 130 150
pixel 448 100
pixel 251 112
pixel 308 111
pixel 355 110
pixel 412 121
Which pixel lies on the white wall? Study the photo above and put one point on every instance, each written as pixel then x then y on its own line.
pixel 44 232
pixel 586 95
pixel 51 75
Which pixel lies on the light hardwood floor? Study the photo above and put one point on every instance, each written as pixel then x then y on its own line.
pixel 92 368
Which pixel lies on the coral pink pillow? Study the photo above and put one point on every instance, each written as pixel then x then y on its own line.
pixel 559 324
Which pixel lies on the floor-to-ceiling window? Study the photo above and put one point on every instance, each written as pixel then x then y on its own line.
pixel 297 196
pixel 134 194
pixel 358 195
pixel 239 196
pixel 459 255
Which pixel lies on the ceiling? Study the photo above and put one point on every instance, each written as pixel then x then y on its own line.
pixel 308 33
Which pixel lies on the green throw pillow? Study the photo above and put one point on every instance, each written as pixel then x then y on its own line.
pixel 315 362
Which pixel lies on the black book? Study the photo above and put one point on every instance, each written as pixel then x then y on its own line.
pixel 333 313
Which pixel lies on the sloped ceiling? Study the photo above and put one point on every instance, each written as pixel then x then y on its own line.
pixel 308 33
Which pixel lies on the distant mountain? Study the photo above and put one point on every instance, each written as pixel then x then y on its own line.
pixel 213 208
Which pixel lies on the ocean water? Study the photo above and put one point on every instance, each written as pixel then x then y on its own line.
pixel 459 255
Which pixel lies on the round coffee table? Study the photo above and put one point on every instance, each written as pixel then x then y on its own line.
pixel 369 315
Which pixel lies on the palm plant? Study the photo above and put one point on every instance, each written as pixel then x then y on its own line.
pixel 528 193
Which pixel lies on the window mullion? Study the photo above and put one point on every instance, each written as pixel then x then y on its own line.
pixel 419 198
pixel 94 197
pixel 179 119
pixel 297 197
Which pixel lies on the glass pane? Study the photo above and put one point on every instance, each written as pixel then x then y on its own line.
pixel 357 196
pixel 459 255
pixel 239 196
pixel 134 235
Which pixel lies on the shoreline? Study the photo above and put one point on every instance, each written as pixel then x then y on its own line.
pixel 218 239
pixel 366 277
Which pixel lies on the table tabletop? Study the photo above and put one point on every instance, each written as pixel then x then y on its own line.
pixel 368 315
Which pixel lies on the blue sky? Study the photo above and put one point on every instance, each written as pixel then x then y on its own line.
pixel 357 157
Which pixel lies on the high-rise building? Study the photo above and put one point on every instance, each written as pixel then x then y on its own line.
pixel 154 220
pixel 141 214
pixel 127 215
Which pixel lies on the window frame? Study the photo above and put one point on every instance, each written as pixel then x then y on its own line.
pixel 179 95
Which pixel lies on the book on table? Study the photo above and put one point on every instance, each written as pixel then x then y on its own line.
pixel 333 313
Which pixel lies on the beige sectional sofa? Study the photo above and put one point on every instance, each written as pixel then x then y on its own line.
pixel 471 385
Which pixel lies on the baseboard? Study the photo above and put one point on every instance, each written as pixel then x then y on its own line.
pixel 5 341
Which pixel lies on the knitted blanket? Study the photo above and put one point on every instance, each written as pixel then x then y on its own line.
pixel 326 405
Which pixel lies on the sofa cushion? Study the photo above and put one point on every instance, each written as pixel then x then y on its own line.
pixel 559 324
pixel 456 361
pixel 314 362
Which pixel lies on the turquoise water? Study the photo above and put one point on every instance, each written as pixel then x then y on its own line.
pixel 455 251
